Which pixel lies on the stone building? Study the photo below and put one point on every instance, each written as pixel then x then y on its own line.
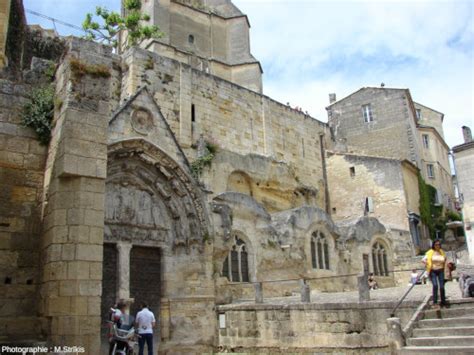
pixel 464 163
pixel 434 157
pixel 170 178
pixel 386 122
pixel 208 35
pixel 384 188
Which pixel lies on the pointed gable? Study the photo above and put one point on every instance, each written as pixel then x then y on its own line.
pixel 141 117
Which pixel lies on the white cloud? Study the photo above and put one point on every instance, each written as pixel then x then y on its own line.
pixel 311 48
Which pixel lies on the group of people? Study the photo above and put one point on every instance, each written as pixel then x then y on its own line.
pixel 144 322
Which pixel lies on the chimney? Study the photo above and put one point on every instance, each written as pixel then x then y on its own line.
pixel 332 98
pixel 466 132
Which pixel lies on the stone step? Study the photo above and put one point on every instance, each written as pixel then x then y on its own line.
pixel 447 322
pixel 452 312
pixel 453 340
pixel 448 350
pixel 442 331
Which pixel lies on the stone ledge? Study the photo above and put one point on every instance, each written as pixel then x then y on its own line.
pixel 317 306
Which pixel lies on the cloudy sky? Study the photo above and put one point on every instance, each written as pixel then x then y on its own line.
pixel 310 48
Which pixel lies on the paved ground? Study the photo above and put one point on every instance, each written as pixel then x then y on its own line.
pixel 418 293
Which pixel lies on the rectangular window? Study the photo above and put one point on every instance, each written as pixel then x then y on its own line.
pixel 193 113
pixel 418 114
pixel 369 205
pixel 352 171
pixel 438 198
pixel 426 141
pixel 367 113
pixel 430 171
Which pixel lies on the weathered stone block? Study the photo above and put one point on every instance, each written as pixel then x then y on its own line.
pixel 78 270
pixel 78 234
pixel 90 288
pixel 68 288
pixel 68 252
pixel 58 306
pixel 75 216
pixel 95 271
pixel 89 252
pixel 96 235
pixel 94 218
pixel 55 271
pixel 79 306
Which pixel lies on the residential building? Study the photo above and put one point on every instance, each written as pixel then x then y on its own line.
pixel 464 164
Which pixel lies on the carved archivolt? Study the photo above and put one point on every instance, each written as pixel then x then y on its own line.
pixel 150 198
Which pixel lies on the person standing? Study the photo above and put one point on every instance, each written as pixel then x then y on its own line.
pixel 116 317
pixel 435 264
pixel 145 323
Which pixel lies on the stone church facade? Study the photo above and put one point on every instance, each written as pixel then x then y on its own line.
pixel 172 182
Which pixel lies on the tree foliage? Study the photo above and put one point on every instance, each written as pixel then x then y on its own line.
pixel 431 214
pixel 109 24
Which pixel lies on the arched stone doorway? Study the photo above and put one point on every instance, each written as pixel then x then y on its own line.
pixel 153 216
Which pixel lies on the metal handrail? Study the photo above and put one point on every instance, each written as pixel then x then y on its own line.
pixel 392 313
pixel 309 278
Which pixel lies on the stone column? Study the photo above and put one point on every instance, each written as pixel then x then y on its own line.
pixel 258 292
pixel 305 292
pixel 363 286
pixel 363 280
pixel 74 185
pixel 395 334
pixel 123 287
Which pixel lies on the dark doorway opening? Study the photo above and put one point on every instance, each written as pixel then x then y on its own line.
pixel 145 279
pixel 109 284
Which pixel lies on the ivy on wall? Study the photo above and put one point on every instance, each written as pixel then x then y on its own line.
pixel 204 160
pixel 433 215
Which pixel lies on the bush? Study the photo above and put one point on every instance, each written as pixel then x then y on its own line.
pixel 38 113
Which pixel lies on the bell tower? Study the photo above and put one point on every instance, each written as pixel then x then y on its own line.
pixel 209 35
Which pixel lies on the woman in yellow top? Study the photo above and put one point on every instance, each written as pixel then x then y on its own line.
pixel 435 263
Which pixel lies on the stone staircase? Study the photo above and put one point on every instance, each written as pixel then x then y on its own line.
pixel 444 331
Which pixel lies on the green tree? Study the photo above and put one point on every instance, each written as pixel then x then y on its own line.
pixel 110 23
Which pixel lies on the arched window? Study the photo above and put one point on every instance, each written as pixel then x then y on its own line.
pixel 319 251
pixel 379 260
pixel 236 266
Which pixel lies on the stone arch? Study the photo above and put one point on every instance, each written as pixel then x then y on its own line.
pixel 156 226
pixel 238 238
pixel 320 248
pixel 150 198
pixel 239 181
pixel 380 257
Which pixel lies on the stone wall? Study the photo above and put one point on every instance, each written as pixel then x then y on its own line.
pixel 356 328
pixel 464 162
pixel 73 224
pixel 431 118
pixel 436 154
pixel 4 20
pixel 22 162
pixel 266 127
pixel 356 177
pixel 393 121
